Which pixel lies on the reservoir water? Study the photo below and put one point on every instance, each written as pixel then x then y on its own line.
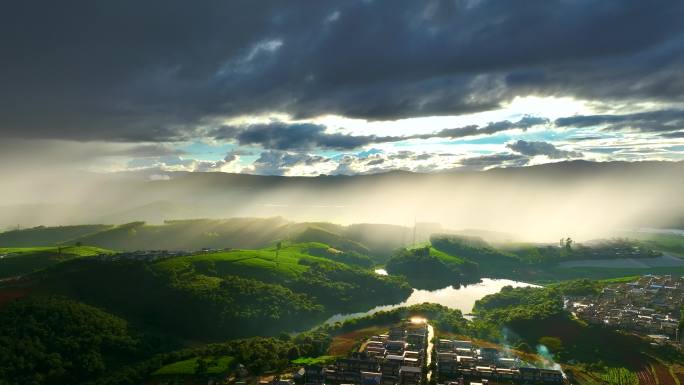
pixel 462 298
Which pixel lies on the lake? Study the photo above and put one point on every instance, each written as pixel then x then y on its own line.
pixel 462 298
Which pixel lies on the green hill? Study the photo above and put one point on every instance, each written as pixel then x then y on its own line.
pixel 17 261
pixel 47 236
pixel 59 341
pixel 429 268
pixel 490 261
pixel 372 240
pixel 317 233
pixel 190 234
pixel 228 294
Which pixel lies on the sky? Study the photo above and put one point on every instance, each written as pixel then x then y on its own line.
pixel 337 87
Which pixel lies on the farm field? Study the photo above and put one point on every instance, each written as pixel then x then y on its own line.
pixel 292 260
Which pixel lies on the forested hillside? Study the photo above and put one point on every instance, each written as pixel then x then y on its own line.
pixel 218 295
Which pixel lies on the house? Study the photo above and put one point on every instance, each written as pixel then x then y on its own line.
pixel 395 346
pixel 410 375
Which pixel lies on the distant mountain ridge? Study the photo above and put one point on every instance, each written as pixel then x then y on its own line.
pixel 643 192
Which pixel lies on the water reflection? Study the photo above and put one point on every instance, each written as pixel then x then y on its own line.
pixel 462 298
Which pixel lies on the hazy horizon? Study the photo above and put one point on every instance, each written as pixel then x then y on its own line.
pixel 582 200
pixel 111 124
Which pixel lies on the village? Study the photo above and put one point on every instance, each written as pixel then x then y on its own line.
pixel 401 356
pixel 650 306
pixel 406 356
pixel 460 362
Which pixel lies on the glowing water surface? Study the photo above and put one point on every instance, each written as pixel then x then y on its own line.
pixel 462 298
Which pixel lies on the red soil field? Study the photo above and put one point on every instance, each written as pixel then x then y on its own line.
pixel 8 295
pixel 646 376
pixel 664 376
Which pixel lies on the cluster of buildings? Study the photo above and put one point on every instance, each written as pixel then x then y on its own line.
pixel 461 363
pixel 396 358
pixel 650 305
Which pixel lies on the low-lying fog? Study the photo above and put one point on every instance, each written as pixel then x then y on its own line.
pixel 579 199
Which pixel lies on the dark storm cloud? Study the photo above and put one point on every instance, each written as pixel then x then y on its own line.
pixel 651 121
pixel 673 135
pixel 298 136
pixel 167 70
pixel 279 162
pixel 583 138
pixel 491 128
pixel 278 135
pixel 542 148
pixel 147 150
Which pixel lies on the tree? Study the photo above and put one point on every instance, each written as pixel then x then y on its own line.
pixel 279 246
pixel 202 366
pixel 554 344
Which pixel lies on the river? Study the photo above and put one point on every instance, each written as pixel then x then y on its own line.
pixel 462 298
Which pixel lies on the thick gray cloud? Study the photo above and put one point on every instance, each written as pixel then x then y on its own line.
pixel 166 70
pixel 673 135
pixel 299 136
pixel 651 121
pixel 279 162
pixel 307 136
pixel 542 148
pixel 491 128
pixel 494 160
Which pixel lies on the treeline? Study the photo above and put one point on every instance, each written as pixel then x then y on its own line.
pixel 342 288
pixel 58 341
pixel 454 259
pixel 531 319
pixel 426 268
pixel 54 340
pixel 348 257
pixel 489 261
pixel 442 317
pixel 259 355
pixel 191 306
pixel 210 305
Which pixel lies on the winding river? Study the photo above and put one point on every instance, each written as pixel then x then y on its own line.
pixel 462 298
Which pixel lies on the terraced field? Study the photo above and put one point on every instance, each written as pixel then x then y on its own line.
pixel 288 262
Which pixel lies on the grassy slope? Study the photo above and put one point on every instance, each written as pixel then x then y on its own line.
pixel 47 236
pixel 260 264
pixel 242 233
pixel 327 235
pixel 446 258
pixel 193 296
pixel 216 365
pixel 24 260
pixel 191 234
